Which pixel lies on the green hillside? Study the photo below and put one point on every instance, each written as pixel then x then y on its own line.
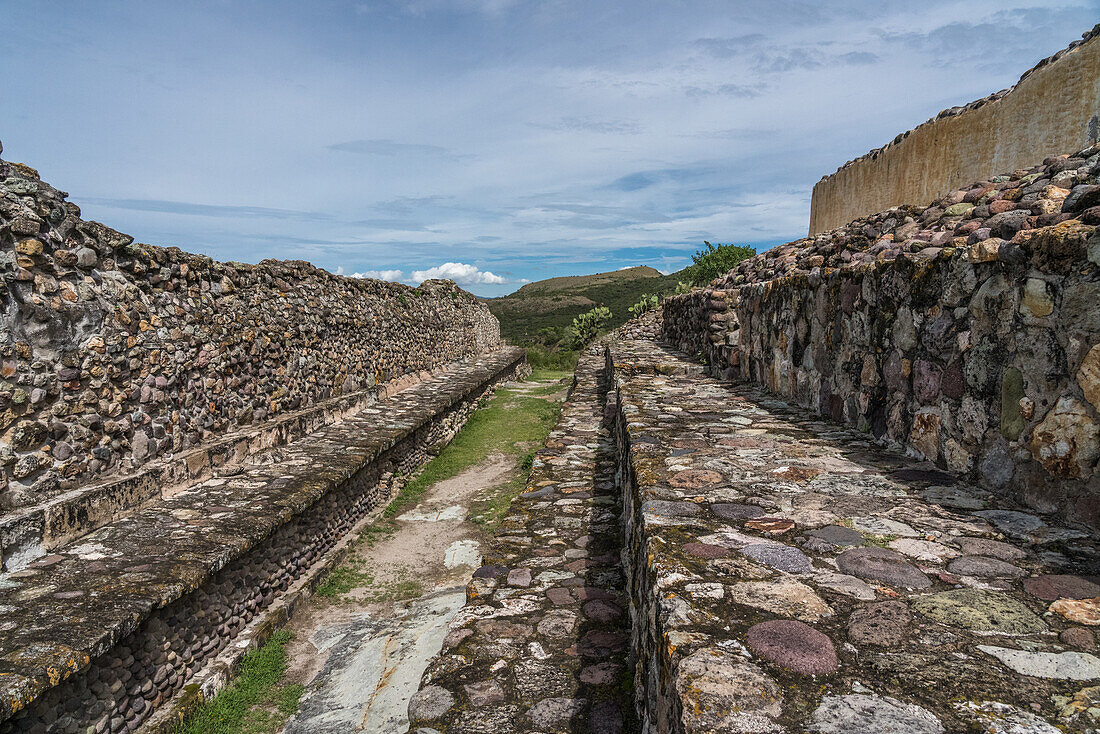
pixel 539 313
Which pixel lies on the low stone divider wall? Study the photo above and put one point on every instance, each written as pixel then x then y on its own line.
pixel 787 574
pixel 31 532
pixel 541 645
pixel 99 635
pixel 114 354
pixel 967 331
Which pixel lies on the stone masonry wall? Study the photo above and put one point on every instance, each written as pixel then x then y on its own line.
pixel 113 353
pixel 1053 109
pixel 968 330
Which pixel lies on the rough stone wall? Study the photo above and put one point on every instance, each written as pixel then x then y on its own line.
pixel 113 353
pixel 968 331
pixel 1053 109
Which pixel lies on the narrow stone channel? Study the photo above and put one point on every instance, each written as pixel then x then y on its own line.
pixel 360 646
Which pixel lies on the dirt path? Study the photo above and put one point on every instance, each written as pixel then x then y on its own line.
pixel 360 655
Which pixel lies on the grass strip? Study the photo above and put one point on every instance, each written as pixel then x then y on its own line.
pixel 254 703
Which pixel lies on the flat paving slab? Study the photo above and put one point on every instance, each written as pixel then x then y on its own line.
pixel 795 576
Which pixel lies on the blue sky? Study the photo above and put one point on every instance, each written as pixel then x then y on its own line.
pixel 495 141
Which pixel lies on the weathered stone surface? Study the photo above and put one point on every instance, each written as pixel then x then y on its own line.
pixel 1061 586
pixel 994 717
pixel 883 624
pixel 1080 611
pixel 719 691
pixel 982 611
pixel 985 547
pixel 782 557
pixel 1067 442
pixel 984 567
pixel 793 645
pixel 1061 666
pixel 430 703
pixel 1088 376
pixel 838 535
pixel 872 715
pixel 885 566
pixel 785 598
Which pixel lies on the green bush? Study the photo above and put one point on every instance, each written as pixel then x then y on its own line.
pixel 648 302
pixel 714 260
pixel 543 359
pixel 585 327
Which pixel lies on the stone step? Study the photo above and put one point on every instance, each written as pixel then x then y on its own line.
pixel 789 575
pixel 542 643
pixel 97 635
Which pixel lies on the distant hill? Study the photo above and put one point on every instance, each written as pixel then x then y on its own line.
pixel 552 304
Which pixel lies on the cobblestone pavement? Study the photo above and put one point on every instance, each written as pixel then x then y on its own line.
pixel 785 575
pixel 542 642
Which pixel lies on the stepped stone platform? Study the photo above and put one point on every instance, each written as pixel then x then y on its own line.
pixel 100 634
pixel 785 574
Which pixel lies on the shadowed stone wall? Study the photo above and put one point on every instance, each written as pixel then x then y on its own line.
pixel 1053 109
pixel 114 353
pixel 967 331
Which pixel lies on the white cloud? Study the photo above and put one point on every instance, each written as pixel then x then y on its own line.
pixel 460 273
pixel 392 275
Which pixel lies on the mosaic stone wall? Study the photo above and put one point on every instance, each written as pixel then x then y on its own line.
pixel 114 353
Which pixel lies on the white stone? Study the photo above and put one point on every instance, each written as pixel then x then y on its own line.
pixel 995 717
pixel 883 526
pixel 923 550
pixel 869 714
pixel 462 553
pixel 1059 666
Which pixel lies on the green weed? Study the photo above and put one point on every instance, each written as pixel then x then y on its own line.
pixel 254 703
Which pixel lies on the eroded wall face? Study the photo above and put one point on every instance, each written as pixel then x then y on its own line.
pixel 967 331
pixel 1055 109
pixel 114 353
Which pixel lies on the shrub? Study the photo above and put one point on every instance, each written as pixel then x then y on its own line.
pixel 543 359
pixel 714 260
pixel 648 302
pixel 585 327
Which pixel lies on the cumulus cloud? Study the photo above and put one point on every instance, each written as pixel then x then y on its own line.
pixel 391 275
pixel 460 273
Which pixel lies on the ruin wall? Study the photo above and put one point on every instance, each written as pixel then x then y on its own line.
pixel 967 331
pixel 115 354
pixel 1053 109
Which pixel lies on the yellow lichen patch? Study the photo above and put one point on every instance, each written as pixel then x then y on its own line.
pixel 16 691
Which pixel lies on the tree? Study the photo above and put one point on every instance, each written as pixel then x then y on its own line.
pixel 715 260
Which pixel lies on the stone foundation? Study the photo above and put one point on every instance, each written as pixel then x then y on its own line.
pixel 303 508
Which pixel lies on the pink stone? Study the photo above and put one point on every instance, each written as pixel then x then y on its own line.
pixel 794 645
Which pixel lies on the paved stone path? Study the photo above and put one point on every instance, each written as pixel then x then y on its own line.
pixel 542 642
pixel 785 575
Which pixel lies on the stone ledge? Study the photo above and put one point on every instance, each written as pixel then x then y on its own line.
pixel 69 608
pixel 787 574
pixel 29 533
pixel 541 643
